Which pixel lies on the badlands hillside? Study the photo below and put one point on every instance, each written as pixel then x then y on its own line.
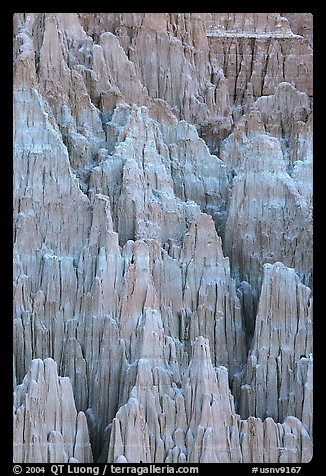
pixel 162 237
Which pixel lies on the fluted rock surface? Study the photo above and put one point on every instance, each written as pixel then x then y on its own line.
pixel 162 237
pixel 268 218
pixel 281 350
pixel 47 427
pixel 196 421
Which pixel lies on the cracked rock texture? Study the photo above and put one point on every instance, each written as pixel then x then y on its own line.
pixel 162 237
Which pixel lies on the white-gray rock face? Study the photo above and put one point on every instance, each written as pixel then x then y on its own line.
pixel 195 421
pixel 47 427
pixel 280 358
pixel 162 238
pixel 268 218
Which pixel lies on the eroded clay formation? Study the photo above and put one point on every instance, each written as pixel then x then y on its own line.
pixel 162 237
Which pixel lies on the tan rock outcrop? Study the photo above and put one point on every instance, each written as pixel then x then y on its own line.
pixel 257 52
pixel 301 24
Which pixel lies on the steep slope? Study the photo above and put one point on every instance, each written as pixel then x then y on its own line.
pixel 160 161
pixel 47 428
pixel 280 358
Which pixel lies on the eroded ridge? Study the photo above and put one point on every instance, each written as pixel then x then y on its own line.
pixel 162 237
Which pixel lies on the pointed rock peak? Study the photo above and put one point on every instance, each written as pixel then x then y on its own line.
pixel 53 50
pixel 72 26
pixel 200 369
pixel 277 272
pixel 130 435
pixel 287 97
pixel 42 370
pixel 201 351
pixel 47 428
pixel 281 292
pixel 138 290
pixel 151 322
pixel 140 255
pixel 263 153
pixel 202 241
pixel 282 339
pixel 249 148
pixel 280 110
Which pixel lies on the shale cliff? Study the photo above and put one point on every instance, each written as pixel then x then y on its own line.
pixel 162 237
